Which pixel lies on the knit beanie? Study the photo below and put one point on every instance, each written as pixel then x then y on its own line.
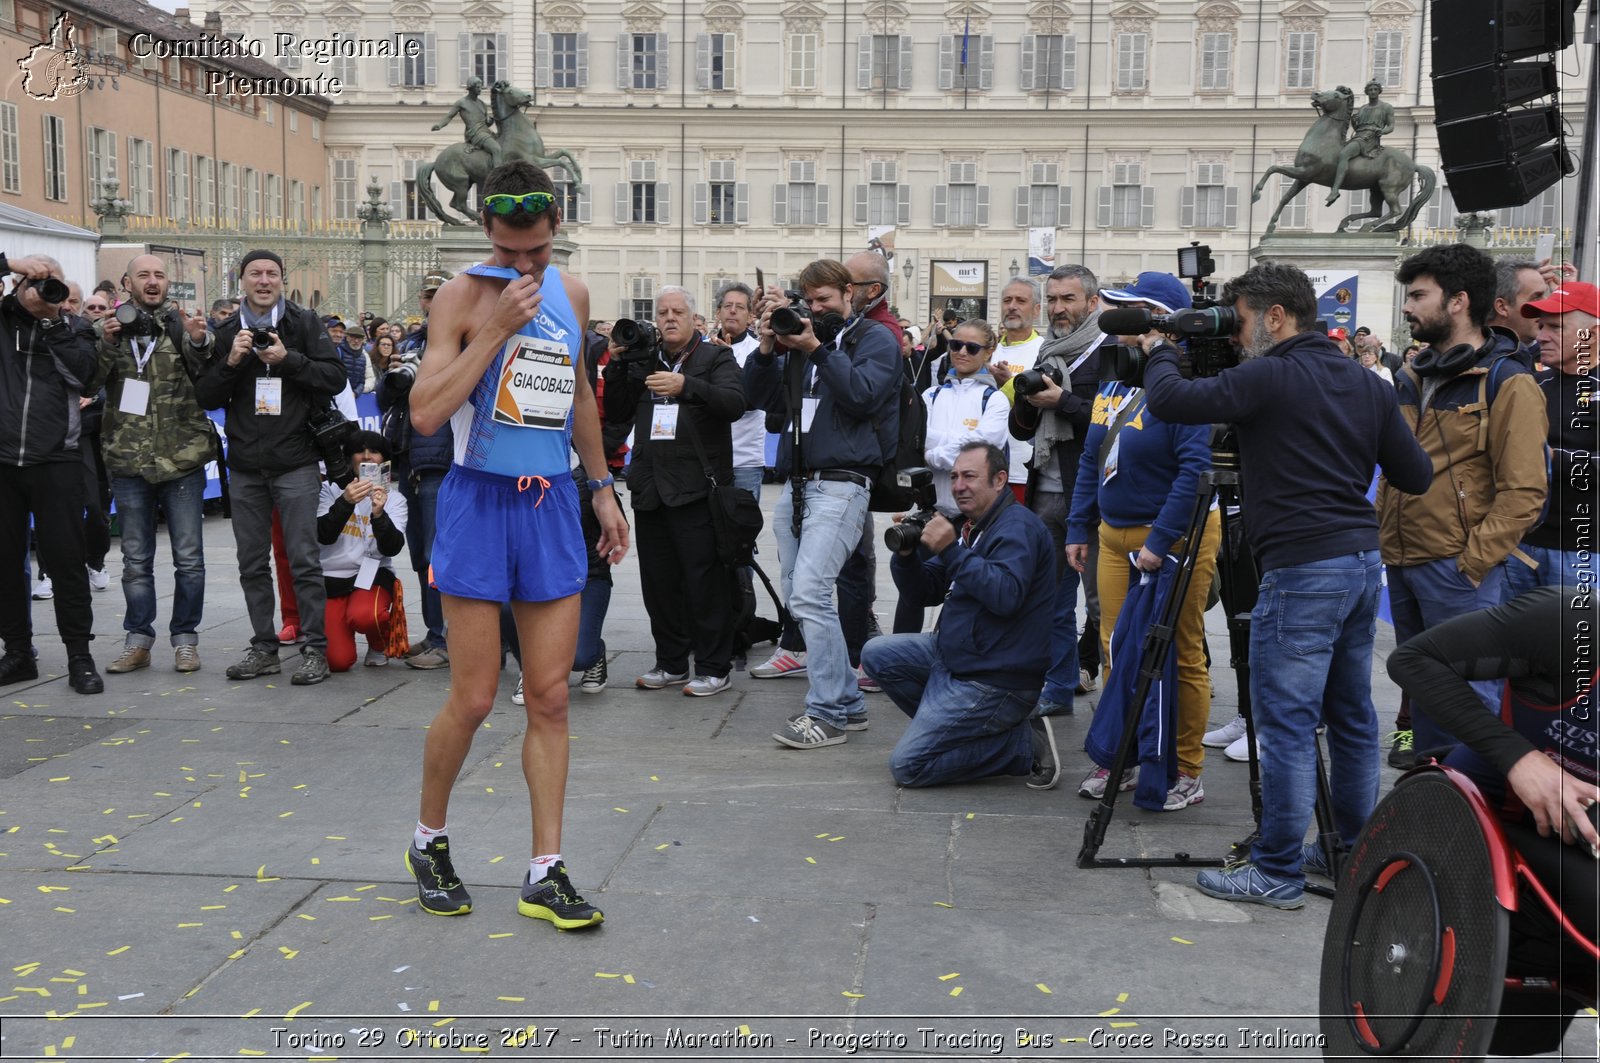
pixel 260 253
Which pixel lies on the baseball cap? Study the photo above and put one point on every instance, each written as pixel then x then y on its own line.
pixel 333 320
pixel 1571 295
pixel 1161 290
pixel 435 280
pixel 1363 331
pixel 1338 334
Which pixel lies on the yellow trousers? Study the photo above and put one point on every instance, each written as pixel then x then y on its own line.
pixel 1194 681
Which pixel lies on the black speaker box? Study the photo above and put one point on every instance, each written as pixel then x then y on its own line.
pixel 1508 183
pixel 1495 138
pixel 1469 33
pixel 1482 90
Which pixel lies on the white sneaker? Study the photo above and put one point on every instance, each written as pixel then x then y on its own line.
pixel 1224 736
pixel 1238 750
pixel 99 580
pixel 516 695
pixel 707 685
pixel 42 591
pixel 656 678
pixel 781 663
pixel 375 659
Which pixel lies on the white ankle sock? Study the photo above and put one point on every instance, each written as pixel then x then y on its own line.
pixel 425 834
pixel 540 866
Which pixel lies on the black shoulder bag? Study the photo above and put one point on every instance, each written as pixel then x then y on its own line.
pixel 736 517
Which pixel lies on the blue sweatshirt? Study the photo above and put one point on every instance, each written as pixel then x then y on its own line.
pixel 1312 425
pixel 1157 471
pixel 995 592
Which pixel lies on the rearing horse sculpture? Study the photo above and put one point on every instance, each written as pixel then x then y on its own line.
pixel 462 168
pixel 1387 175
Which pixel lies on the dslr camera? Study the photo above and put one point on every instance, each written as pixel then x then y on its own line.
pixel 791 320
pixel 640 345
pixel 50 290
pixel 404 374
pixel 329 431
pixel 904 537
pixel 261 339
pixel 1033 380
pixel 136 320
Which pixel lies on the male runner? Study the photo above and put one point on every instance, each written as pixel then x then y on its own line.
pixel 503 365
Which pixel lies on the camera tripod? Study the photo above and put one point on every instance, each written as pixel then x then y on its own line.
pixel 1240 584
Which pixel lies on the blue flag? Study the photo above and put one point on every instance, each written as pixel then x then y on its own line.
pixel 966 33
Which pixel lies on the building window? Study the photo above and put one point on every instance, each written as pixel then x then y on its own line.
pixel 205 189
pixel 715 62
pixel 641 200
pixel 273 207
pixel 1293 215
pixel 344 68
pixel 266 111
pixel 345 189
pixel 1301 72
pixel 643 61
pixel 102 147
pixel 803 62
pixel 10 149
pixel 1131 55
pixel 1049 61
pixel 1541 212
pixel 800 201
pixel 883 193
pixel 413 63
pixel 229 182
pixel 572 197
pixel 1044 203
pixel 1388 53
pixel 294 121
pixel 316 129
pixel 977 70
pixel 959 203
pixel 297 203
pixel 642 306
pixel 482 54
pixel 55 158
pixel 405 200
pixel 252 195
pixel 1209 203
pixel 1126 202
pixel 884 61
pixel 1216 60
pixel 142 175
pixel 721 200
pixel 177 184
pixel 316 203
pixel 569 66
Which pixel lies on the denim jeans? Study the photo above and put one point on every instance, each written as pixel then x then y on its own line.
pixel 748 478
pixel 1062 678
pixel 1556 567
pixel 1311 662
pixel 808 566
pixel 420 525
pixel 1423 596
pixel 959 730
pixel 183 501
pixel 295 495
pixel 592 607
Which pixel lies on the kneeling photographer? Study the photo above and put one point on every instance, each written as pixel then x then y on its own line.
pixel 970 687
pixel 274 371
pixel 1311 426
pixel 682 392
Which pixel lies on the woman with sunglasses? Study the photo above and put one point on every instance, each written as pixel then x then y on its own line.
pixel 964 407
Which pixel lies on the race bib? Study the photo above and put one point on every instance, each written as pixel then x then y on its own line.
pixel 269 396
pixel 135 397
pixel 536 384
pixel 367 573
pixel 664 422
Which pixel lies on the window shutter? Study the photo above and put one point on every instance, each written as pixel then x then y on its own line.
pixel 1186 207
pixel 502 57
pixel 730 61
pixel 396 59
pixel 941 208
pixel 1230 207
pixel 583 60
pixel 1022 207
pixel 741 203
pixel 947 61
pixel 430 58
pixel 1102 212
pixel 983 204
pixel 663 61
pixel 543 60
pixel 1064 206
pixel 864 63
pixel 464 56
pixel 903 214
pixel 397 198
pixel 702 61
pixel 624 60
pixel 905 61
pixel 1147 207
pixel 1025 77
pixel 702 204
pixel 584 201
pixel 663 203
pixel 822 204
pixel 1069 62
pixel 624 213
pixel 780 204
pixel 986 62
pixel 861 204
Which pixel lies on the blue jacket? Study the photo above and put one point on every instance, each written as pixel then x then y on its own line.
pixel 856 385
pixel 355 365
pixel 999 594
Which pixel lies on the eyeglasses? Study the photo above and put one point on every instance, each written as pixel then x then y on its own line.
pixel 96 306
pixel 960 346
pixel 527 202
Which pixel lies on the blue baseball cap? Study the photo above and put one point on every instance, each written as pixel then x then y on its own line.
pixel 1161 290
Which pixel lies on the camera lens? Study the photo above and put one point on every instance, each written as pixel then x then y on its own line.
pixel 786 321
pixel 51 290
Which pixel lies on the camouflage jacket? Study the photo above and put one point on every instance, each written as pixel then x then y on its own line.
pixel 174 437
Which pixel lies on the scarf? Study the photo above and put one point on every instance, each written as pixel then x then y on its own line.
pixel 1061 352
pixel 249 320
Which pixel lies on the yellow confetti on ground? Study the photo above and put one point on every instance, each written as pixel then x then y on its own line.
pixel 297 1009
pixel 252 1013
pixel 335 838
pixel 119 952
pixel 212 907
pixel 1183 941
pixel 230 889
pixel 956 992
pixel 662 846
pixel 433 1005
pixel 507 934
pixel 972 815
pixel 315 860
pixel 185 926
pixel 629 979
pixel 69 1040
pixel 68 911
pixel 513 1000
pixel 947 977
pixel 285 815
pixel 1122 1025
pixel 811 859
pixel 602 974
pixel 376 918
pixel 236 935
pixel 496 860
pixel 368 886
pixel 941 904
pixel 655 778
pixel 1041 987
pixel 307 918
pixel 174 1059
pixel 852 996
pixel 619 810
pixel 1122 998
pixel 837 838
pixel 251 1052
pixel 1110 1011
pixel 744 1030
pixel 62 778
pixel 824 834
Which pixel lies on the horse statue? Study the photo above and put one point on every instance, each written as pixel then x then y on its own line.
pixel 1388 175
pixel 462 168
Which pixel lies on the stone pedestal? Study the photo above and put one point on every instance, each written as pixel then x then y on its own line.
pixel 461 246
pixel 1326 257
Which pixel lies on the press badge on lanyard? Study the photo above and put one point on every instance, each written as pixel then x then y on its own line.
pixel 135 398
pixel 536 384
pixel 269 396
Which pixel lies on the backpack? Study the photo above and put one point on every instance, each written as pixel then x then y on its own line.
pixel 888 496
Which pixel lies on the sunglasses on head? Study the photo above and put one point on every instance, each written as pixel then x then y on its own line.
pixel 958 346
pixel 526 202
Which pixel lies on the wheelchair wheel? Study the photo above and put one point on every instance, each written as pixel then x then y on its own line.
pixel 1415 950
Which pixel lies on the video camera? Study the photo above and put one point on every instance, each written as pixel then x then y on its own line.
pixel 1205 330
pixel 135 320
pixel 903 536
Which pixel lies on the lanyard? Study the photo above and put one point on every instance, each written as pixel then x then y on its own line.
pixel 140 362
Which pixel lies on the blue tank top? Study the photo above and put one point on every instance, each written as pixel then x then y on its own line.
pixel 518 419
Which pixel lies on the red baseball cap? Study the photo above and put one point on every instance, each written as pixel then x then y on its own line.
pixel 1338 334
pixel 1571 295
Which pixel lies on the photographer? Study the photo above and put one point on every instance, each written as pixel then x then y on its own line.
pixel 1311 425
pixel 1052 406
pixel 45 361
pixel 970 686
pixel 840 380
pixel 158 440
pixel 360 527
pixel 685 394
pixel 275 372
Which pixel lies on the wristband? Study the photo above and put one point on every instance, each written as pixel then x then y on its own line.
pixel 595 485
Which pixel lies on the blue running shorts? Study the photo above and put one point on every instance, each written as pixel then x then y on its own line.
pixel 508 539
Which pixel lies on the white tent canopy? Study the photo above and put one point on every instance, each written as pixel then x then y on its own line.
pixel 22 232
